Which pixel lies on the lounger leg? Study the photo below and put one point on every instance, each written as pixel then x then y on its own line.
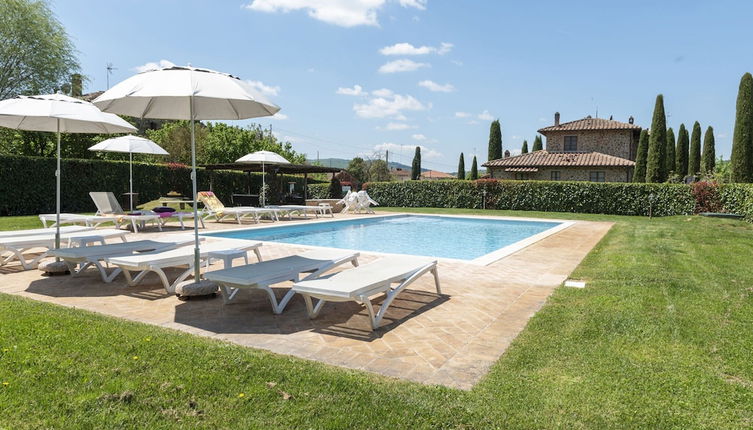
pixel 258 255
pixel 201 221
pixel 277 308
pixel 375 319
pixel 228 293
pixel 313 310
pixel 436 279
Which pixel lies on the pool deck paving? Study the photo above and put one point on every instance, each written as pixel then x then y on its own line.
pixel 450 340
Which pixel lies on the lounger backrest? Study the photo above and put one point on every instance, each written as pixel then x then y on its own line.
pixel 211 201
pixel 106 203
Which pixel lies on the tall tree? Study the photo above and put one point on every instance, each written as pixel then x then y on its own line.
pixel 537 144
pixel 495 141
pixel 681 155
pixel 694 156
pixel 708 158
pixel 474 169
pixel 639 175
pixel 656 169
pixel 358 169
pixel 415 171
pixel 461 167
pixel 742 139
pixel 524 149
pixel 36 55
pixel 670 156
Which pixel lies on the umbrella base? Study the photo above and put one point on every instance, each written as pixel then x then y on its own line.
pixel 54 268
pixel 192 289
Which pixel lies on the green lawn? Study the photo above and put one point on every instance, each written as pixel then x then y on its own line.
pixel 661 338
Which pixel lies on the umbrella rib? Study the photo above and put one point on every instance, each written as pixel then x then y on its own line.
pixel 237 115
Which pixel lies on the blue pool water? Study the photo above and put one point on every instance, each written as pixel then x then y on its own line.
pixel 432 236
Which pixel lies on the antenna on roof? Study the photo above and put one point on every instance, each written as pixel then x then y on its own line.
pixel 109 69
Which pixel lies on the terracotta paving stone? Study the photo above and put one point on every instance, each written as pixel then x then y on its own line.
pixel 450 340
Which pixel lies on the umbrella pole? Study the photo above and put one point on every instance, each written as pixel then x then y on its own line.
pixel 57 191
pixel 263 193
pixel 130 177
pixel 196 252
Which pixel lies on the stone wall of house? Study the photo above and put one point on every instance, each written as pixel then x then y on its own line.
pixel 620 143
pixel 611 174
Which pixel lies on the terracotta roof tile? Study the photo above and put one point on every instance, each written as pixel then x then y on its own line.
pixel 522 169
pixel 560 159
pixel 591 124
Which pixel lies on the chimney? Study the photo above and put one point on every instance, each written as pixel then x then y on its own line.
pixel 556 118
pixel 507 153
pixel 631 120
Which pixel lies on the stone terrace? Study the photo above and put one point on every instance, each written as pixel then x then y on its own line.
pixel 450 340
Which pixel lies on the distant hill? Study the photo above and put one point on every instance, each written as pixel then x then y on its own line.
pixel 341 163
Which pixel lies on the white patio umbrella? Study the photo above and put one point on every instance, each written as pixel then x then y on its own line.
pixel 130 144
pixel 263 157
pixel 186 93
pixel 60 114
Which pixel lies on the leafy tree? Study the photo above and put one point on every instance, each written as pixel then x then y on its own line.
pixel 379 171
pixel 694 156
pixel 461 167
pixel 742 139
pixel 639 175
pixel 524 149
pixel 537 144
pixel 708 158
pixel 335 189
pixel 358 169
pixel 681 155
pixel 656 169
pixel 670 156
pixel 474 169
pixel 36 55
pixel 415 171
pixel 495 141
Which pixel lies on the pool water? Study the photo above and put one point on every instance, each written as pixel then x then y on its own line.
pixel 432 236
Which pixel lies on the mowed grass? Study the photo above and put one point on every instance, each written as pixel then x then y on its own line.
pixel 660 338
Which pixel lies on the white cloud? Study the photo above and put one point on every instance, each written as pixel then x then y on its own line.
pixel 462 114
pixel 433 86
pixel 345 13
pixel 419 137
pixel 279 116
pixel 407 149
pixel 357 90
pixel 418 4
pixel 485 116
pixel 389 106
pixel 153 66
pixel 403 65
pixel 457 62
pixel 393 126
pixel 384 92
pixel 405 48
pixel 264 89
pixel 473 122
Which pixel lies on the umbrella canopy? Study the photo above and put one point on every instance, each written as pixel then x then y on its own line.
pixel 61 114
pixel 263 157
pixel 130 144
pixel 186 93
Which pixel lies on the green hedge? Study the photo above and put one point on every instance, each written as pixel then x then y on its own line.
pixel 586 197
pixel 318 191
pixel 738 199
pixel 27 184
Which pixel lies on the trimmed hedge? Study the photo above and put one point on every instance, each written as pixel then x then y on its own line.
pixel 27 184
pixel 738 199
pixel 318 191
pixel 549 196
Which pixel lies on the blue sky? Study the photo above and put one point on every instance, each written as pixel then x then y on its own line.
pixel 355 77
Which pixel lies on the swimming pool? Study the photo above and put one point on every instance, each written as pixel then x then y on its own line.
pixel 478 240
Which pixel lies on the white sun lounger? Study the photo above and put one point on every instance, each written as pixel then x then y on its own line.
pixel 213 208
pixel 108 206
pixel 181 257
pixel 262 275
pixel 304 210
pixel 87 220
pixel 87 256
pixel 364 282
pixel 42 231
pixel 19 245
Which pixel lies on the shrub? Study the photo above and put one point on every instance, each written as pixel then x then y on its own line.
pixel 584 197
pixel 318 191
pixel 706 196
pixel 335 189
pixel 738 199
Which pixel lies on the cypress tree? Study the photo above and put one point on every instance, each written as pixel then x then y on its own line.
pixel 681 155
pixel 639 175
pixel 741 161
pixel 474 169
pixel 708 159
pixel 495 141
pixel 694 156
pixel 657 144
pixel 461 167
pixel 537 144
pixel 524 149
pixel 670 157
pixel 415 171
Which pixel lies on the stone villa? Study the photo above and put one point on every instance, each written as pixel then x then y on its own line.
pixel 589 149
